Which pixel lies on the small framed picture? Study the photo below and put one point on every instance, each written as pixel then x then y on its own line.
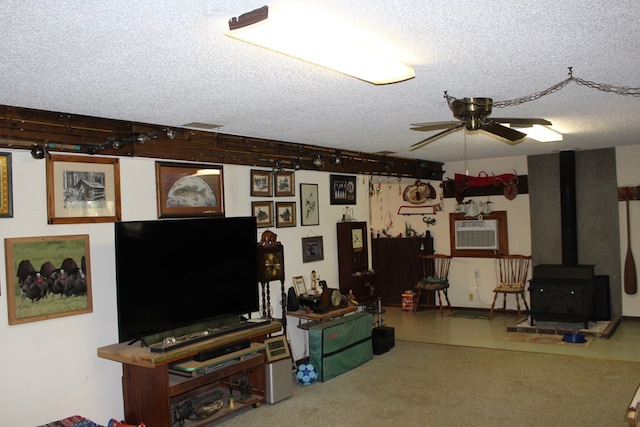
pixel 284 184
pixel 312 249
pixel 343 189
pixel 309 213
pixel 285 214
pixel 6 187
pixel 189 189
pixel 263 211
pixel 299 286
pixel 82 189
pixel 261 183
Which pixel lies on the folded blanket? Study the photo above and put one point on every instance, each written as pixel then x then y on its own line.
pixel 79 421
pixel 73 421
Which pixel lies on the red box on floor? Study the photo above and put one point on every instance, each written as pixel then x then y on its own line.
pixel 407 302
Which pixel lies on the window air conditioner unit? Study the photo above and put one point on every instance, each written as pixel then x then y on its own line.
pixel 477 234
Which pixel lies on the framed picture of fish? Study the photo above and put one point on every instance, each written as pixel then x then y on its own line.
pixel 189 189
pixel 82 189
pixel 263 211
pixel 47 277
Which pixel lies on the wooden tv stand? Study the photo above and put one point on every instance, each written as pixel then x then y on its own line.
pixel 151 388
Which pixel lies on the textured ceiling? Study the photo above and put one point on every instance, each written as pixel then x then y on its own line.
pixel 169 63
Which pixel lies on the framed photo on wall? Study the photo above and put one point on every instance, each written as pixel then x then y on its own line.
pixel 284 184
pixel 312 249
pixel 189 189
pixel 82 189
pixel 263 211
pixel 261 183
pixel 6 186
pixel 343 189
pixel 52 294
pixel 309 207
pixel 285 214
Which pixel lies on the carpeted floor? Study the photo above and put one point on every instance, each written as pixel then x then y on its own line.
pixel 421 384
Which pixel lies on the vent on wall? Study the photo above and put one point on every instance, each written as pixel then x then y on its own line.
pixel 477 234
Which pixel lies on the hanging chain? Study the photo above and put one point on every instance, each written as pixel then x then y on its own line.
pixel 604 87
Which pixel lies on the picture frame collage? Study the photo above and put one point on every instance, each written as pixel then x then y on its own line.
pixel 81 190
pixel 265 183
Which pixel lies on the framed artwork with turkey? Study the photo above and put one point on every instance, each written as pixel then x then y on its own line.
pixel 47 277
pixel 189 190
pixel 82 189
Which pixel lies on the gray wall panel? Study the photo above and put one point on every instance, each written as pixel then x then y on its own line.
pixel 597 214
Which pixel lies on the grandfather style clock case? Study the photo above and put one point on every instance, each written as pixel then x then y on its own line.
pixel 353 261
pixel 271 267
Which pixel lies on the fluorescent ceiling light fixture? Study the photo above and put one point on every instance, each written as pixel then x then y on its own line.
pixel 327 44
pixel 199 125
pixel 538 132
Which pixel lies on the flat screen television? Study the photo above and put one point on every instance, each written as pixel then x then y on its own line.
pixel 175 273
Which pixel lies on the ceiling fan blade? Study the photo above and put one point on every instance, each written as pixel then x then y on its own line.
pixel 426 127
pixel 522 121
pixel 512 136
pixel 432 138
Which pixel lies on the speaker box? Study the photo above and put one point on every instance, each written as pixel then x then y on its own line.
pixel 383 339
pixel 292 300
pixel 601 298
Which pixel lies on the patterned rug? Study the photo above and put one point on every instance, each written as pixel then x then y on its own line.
pixel 470 314
pixel 544 339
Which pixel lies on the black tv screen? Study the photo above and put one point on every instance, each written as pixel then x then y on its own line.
pixel 175 273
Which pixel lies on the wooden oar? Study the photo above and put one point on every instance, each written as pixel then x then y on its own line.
pixel 630 282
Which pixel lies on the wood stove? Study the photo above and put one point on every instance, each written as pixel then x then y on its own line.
pixel 562 293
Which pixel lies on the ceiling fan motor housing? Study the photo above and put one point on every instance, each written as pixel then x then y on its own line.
pixel 472 111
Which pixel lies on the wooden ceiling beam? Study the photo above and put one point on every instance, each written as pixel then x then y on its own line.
pixel 26 128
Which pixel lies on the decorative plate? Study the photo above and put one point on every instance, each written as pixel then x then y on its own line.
pixel 419 193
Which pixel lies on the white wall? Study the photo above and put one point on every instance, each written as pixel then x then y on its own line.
pixel 462 273
pixel 627 159
pixel 50 369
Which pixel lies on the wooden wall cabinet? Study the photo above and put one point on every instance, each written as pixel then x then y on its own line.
pixel 353 261
pixel 150 389
pixel 397 266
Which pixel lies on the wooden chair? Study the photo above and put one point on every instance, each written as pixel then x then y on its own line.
pixel 513 271
pixel 435 268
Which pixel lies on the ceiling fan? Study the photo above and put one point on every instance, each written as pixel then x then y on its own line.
pixel 473 114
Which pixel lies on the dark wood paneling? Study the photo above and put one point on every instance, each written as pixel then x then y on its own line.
pixel 397 266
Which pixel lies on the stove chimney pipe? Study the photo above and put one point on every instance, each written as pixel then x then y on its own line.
pixel 568 211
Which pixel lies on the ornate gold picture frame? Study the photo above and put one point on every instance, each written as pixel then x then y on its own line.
pixel 6 186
